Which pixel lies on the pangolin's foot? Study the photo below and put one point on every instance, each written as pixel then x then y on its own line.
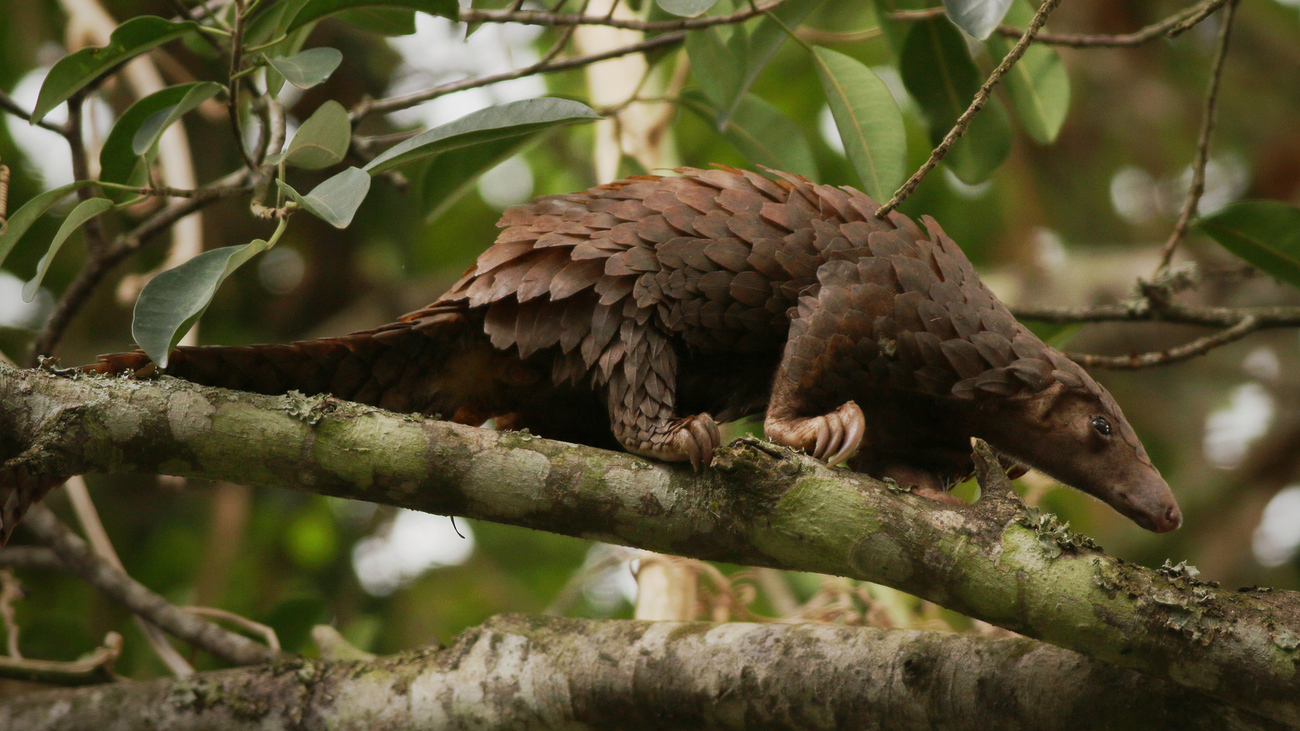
pixel 688 439
pixel 832 437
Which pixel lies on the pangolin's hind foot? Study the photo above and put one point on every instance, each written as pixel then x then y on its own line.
pixel 688 439
pixel 831 437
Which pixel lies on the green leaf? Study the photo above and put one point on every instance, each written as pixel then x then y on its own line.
pixel 760 132
pixel 494 123
pixel 118 160
pixel 175 299
pixel 1038 84
pixel 336 200
pixel 717 68
pixel 321 141
pixel 23 218
pixel 317 9
pixel 73 72
pixel 1264 233
pixel 768 37
pixel 452 174
pixel 384 21
pixel 686 8
pixel 977 17
pixel 84 211
pixel 868 119
pixel 309 68
pixel 938 71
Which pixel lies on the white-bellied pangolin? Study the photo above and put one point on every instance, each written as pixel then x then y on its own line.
pixel 642 312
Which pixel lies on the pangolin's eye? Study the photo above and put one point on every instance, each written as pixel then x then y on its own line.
pixel 1102 426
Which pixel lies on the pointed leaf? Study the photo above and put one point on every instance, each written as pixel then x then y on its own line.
pixel 118 160
pixel 1264 233
pixel 686 8
pixel 494 123
pixel 23 218
pixel 74 71
pixel 84 211
pixel 760 132
pixel 768 37
pixel 336 200
pixel 317 9
pixel 175 299
pixel 938 72
pixel 321 141
pixel 868 120
pixel 451 174
pixel 1038 84
pixel 977 17
pixel 716 67
pixel 309 68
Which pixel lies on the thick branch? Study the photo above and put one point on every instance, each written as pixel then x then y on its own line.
pixel 533 672
pixel 758 506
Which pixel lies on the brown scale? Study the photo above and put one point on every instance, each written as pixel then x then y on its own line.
pixel 643 311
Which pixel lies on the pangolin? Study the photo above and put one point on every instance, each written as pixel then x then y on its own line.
pixel 641 313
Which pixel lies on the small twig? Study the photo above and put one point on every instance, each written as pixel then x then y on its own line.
pixel 10 592
pixel 395 103
pixel 92 230
pixel 94 667
pixel 267 633
pixel 120 587
pixel 1170 27
pixel 34 558
pixel 981 98
pixel 8 104
pixel 539 17
pixel 4 198
pixel 93 527
pixel 1203 142
pixel 1200 346
pixel 163 191
pixel 236 57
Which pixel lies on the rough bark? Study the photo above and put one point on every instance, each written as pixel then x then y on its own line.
pixel 525 672
pixel 759 506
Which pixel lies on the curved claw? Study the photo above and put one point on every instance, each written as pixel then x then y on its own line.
pixel 832 437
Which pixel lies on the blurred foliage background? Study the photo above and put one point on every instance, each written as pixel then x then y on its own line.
pixel 1075 222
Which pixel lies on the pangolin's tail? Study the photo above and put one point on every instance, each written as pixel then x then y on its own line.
pixel 434 361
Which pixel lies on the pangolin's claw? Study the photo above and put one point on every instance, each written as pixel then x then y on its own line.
pixel 832 437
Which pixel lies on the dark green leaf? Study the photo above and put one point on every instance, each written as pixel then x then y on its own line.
pixel 686 8
pixel 1264 233
pixel 74 71
pixel 23 218
pixel 977 17
pixel 317 9
pixel 494 123
pixel 760 132
pixel 767 38
pixel 118 160
pixel 84 211
pixel 716 68
pixel 451 174
pixel 321 141
pixel 384 21
pixel 175 299
pixel 336 200
pixel 1038 84
pixel 938 71
pixel 309 68
pixel 868 120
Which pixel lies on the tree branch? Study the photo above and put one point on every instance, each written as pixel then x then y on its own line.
pixel 1200 346
pixel 540 17
pixel 758 506
pixel 1197 187
pixel 81 560
pixel 519 671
